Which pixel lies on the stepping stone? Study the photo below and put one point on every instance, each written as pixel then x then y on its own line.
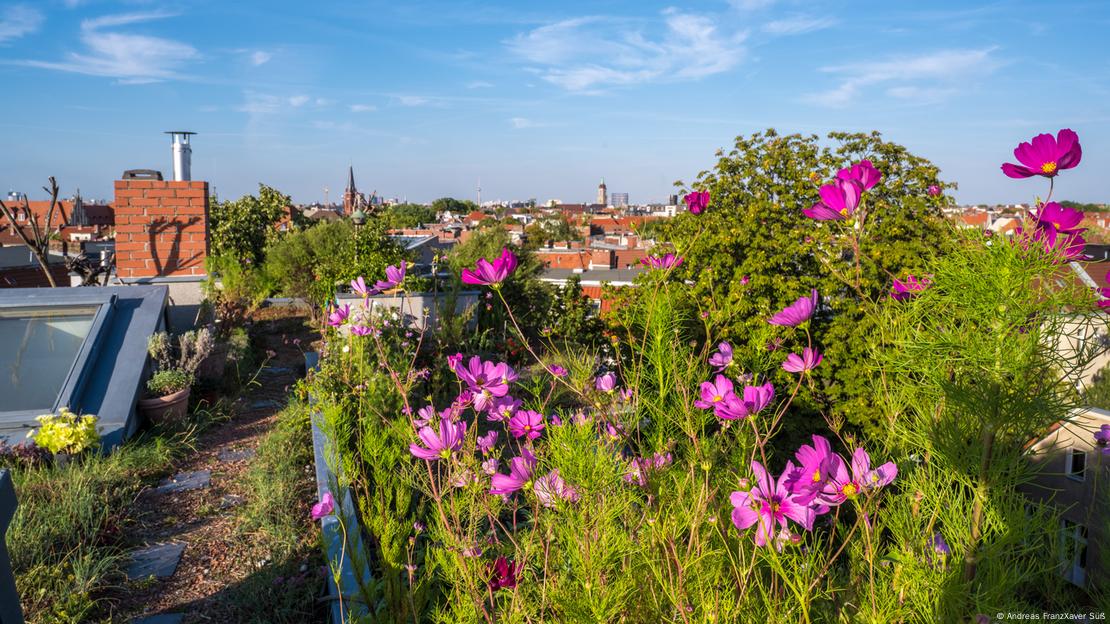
pixel 231 500
pixel 161 618
pixel 234 455
pixel 265 404
pixel 185 481
pixel 159 561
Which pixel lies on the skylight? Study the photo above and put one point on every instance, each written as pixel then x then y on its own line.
pixel 41 345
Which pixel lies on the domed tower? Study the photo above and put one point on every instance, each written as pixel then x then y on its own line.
pixel 602 193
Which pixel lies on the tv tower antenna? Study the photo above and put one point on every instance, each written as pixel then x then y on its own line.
pixel 479 192
pixel 325 197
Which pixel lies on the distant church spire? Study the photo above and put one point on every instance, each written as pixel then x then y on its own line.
pixel 350 196
pixel 602 194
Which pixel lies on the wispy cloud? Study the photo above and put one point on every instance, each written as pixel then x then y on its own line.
pixel 798 25
pixel 933 76
pixel 256 103
pixel 130 58
pixel 412 100
pixel 363 108
pixel 259 57
pixel 590 53
pixel 19 20
pixel 479 84
pixel 521 123
pixel 751 5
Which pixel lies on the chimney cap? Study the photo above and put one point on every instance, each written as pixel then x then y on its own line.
pixel 142 174
pixel 178 132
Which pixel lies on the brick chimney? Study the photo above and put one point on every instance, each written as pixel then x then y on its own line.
pixel 161 229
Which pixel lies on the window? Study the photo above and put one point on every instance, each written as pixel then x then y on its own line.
pixel 40 348
pixel 1076 464
pixel 1073 552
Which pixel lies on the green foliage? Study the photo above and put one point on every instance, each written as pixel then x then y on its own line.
pixel 314 262
pixel 1097 394
pixel 552 229
pixel 457 206
pixel 755 228
pixel 399 216
pixel 240 228
pixel 66 432
pixel 166 382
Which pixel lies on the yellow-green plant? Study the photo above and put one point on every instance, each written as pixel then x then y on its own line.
pixel 65 432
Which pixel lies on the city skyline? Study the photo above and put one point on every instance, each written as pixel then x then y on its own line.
pixel 426 99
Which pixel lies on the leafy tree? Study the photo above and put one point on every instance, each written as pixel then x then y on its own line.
pixel 763 253
pixel 571 317
pixel 241 228
pixel 444 204
pixel 315 262
pixel 400 216
pixel 553 228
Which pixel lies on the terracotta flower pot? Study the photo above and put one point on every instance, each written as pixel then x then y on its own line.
pixel 163 410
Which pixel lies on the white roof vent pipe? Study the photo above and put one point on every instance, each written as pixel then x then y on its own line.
pixel 182 155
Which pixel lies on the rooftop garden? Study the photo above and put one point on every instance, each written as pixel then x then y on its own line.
pixel 814 407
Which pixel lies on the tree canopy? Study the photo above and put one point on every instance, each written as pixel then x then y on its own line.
pixel 240 228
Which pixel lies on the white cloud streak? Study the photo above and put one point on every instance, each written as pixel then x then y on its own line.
pixel 593 53
pixel 259 57
pixel 130 58
pixel 363 108
pixel 928 76
pixel 19 20
pixel 798 25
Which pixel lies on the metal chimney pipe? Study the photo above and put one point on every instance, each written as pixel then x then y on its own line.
pixel 182 155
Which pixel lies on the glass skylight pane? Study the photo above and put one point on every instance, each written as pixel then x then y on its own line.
pixel 38 346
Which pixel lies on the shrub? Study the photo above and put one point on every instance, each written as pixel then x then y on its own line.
pixel 66 432
pixel 166 382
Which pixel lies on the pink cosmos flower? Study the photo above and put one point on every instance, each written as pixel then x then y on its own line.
pixel 1058 227
pixel 714 393
pixel 606 382
pixel 424 416
pixel 697 201
pixel 487 442
pixel 453 361
pixel 502 408
pixel 807 361
pixel 520 473
pixel 394 275
pixel 933 190
pixel 439 446
pixel 640 467
pixel 862 172
pixel 503 574
pixel 903 290
pixel 817 464
pixel 358 286
pixel 722 358
pixel 770 503
pixel 492 274
pixel 753 401
pixel 486 380
pixel 1102 439
pixel 339 315
pixel 557 371
pixel 489 466
pixel 796 313
pixel 360 330
pixel 551 488
pixel 325 507
pixel 669 261
pixel 843 485
pixel 838 201
pixel 1045 155
pixel 526 423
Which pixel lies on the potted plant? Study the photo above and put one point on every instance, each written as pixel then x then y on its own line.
pixel 168 389
pixel 65 434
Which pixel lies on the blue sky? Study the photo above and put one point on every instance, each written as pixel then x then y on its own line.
pixel 536 99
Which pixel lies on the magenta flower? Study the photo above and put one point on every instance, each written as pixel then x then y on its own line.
pixel 557 371
pixel 697 201
pixel 903 290
pixel 862 172
pixel 486 380
pixel 933 190
pixel 843 485
pixel 526 423
pixel 503 574
pixel 393 277
pixel 722 358
pixel 551 488
pixel 489 466
pixel 639 468
pixel 606 382
pixel 339 315
pixel 807 361
pixel 1058 227
pixel 1045 155
pixel 669 261
pixel 453 362
pixel 449 440
pixel 487 442
pixel 753 401
pixel 424 416
pixel 520 473
pixel 1102 436
pixel 838 201
pixel 360 330
pixel 325 507
pixel 796 313
pixel 770 503
pixel 492 274
pixel 502 408
pixel 358 286
pixel 714 393
pixel 817 464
